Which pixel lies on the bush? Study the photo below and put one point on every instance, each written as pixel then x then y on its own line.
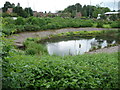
pixel 8 31
pixel 86 24
pixel 42 22
pixel 115 24
pixel 35 21
pixel 35 24
pixel 31 28
pixel 19 28
pixel 70 72
pixel 20 21
pixel 114 17
pixel 7 21
pixel 99 24
pixel 33 48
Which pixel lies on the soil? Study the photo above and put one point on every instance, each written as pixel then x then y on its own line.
pixel 106 50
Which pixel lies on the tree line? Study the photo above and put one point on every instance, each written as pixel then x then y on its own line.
pixel 86 10
pixel 71 11
pixel 17 10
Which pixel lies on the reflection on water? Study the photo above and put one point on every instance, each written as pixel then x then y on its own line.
pixel 75 47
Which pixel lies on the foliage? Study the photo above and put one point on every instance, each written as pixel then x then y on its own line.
pixel 33 48
pixel 11 26
pixel 7 5
pixel 87 11
pixel 6 47
pixel 103 16
pixel 7 21
pixel 115 24
pixel 20 21
pixel 34 68
pixel 9 15
pixel 99 24
pixel 17 10
pixel 114 17
pixel 31 28
pixel 29 11
pixel 82 71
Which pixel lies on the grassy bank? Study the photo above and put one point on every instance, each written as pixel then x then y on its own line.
pixel 82 71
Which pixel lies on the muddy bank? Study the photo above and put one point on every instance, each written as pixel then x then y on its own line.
pixel 106 50
pixel 20 37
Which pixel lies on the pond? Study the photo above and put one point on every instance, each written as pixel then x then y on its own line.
pixel 75 47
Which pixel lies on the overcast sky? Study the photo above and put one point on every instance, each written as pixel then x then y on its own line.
pixel 54 5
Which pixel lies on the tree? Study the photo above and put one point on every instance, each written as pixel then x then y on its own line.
pixel 106 9
pixel 95 13
pixel 78 7
pixel 45 12
pixel 20 11
pixel 84 13
pixel 113 17
pixel 29 11
pixel 13 5
pixel 103 16
pixel 6 6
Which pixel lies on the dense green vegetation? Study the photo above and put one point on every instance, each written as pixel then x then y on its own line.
pixel 17 10
pixel 83 71
pixel 104 34
pixel 34 68
pixel 10 26
pixel 86 10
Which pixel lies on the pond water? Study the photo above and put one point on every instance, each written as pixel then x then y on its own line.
pixel 75 47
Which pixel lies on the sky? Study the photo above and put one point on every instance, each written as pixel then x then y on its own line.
pixel 55 5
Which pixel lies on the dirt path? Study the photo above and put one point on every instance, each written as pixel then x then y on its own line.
pixel 20 37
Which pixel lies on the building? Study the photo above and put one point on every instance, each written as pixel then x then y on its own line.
pixel 9 10
pixel 35 13
pixel 109 14
pixel 41 14
pixel 38 14
pixel 78 15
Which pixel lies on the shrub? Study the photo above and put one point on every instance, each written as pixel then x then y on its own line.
pixel 33 48
pixel 31 28
pixel 86 24
pixel 70 72
pixel 19 28
pixel 20 21
pixel 7 21
pixel 115 24
pixel 35 21
pixel 8 31
pixel 114 17
pixel 99 24
pixel 42 22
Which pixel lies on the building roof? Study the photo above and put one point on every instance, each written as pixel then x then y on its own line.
pixel 112 13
